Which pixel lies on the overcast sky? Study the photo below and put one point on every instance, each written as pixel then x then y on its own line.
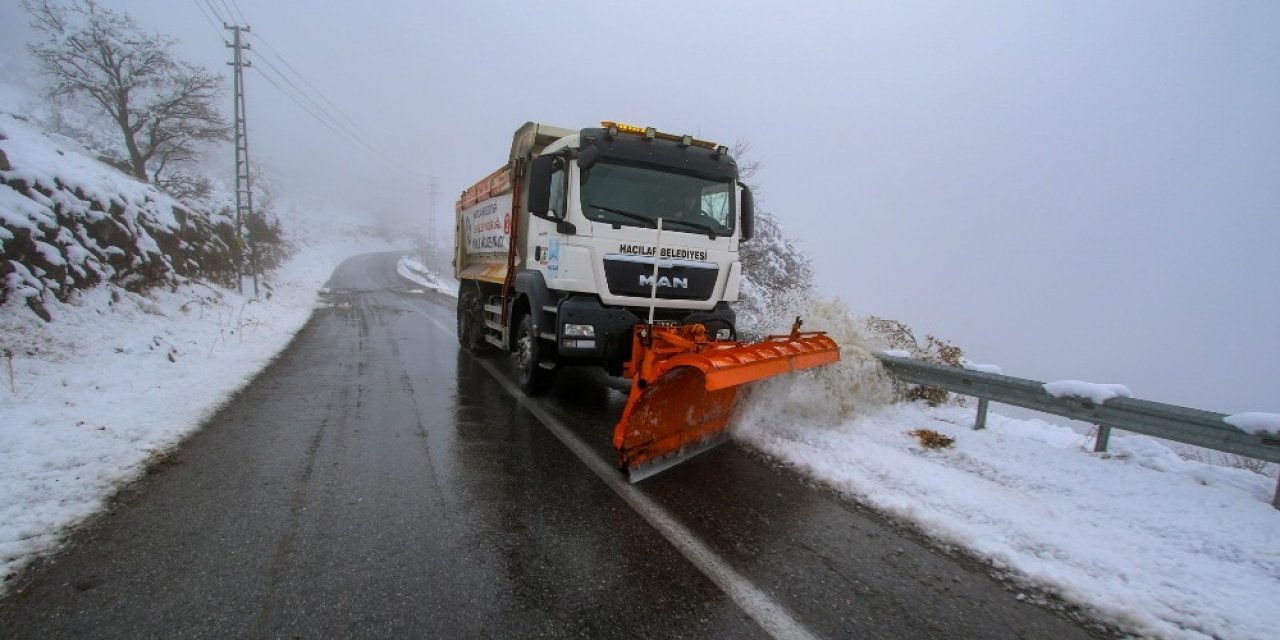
pixel 1080 189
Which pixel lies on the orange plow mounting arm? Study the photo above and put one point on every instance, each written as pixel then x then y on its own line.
pixel 683 388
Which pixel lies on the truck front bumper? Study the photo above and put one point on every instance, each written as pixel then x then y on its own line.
pixel 612 328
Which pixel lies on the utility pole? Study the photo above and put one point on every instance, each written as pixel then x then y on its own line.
pixel 244 188
pixel 433 250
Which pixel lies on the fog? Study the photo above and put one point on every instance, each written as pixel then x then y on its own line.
pixel 1085 190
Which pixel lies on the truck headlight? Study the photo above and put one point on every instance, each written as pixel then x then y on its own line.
pixel 580 330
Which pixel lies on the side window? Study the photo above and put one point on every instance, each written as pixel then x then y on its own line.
pixel 557 209
pixel 715 203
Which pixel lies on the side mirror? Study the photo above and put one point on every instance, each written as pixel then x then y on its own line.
pixel 748 214
pixel 588 157
pixel 540 184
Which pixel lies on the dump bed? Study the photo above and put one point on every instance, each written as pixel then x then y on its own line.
pixel 484 228
pixel 486 213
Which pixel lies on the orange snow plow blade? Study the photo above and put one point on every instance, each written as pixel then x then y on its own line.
pixel 683 387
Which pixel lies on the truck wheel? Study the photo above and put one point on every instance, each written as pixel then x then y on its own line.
pixel 470 327
pixel 534 380
pixel 464 322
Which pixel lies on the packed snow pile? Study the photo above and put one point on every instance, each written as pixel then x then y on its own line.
pixel 69 222
pixel 414 269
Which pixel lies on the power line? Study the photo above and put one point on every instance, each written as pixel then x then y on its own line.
pixel 263 41
pixel 214 10
pixel 281 83
pixel 238 13
pixel 231 14
pixel 281 88
pixel 302 94
pixel 313 102
pixel 323 105
pixel 208 18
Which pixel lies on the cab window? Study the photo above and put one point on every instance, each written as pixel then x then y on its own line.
pixel 556 208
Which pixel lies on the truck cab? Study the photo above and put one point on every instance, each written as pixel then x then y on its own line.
pixel 604 228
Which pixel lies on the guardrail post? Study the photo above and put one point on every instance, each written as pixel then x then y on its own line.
pixel 1275 498
pixel 1104 438
pixel 981 421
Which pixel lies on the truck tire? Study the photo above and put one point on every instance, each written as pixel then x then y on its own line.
pixel 470 324
pixel 533 379
pixel 464 323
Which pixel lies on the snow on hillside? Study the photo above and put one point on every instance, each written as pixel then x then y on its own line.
pixel 117 378
pixel 68 221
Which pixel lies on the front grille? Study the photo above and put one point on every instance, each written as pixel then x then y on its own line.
pixel 677 279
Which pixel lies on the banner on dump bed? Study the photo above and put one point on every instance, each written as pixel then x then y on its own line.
pixel 486 226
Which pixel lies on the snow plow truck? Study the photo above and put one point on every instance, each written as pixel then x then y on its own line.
pixel 617 246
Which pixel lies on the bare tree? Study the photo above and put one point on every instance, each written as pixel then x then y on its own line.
pixel 164 107
pixel 771 260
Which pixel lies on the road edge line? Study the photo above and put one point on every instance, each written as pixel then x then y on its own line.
pixel 773 617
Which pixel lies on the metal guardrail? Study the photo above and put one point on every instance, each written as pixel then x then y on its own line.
pixel 1180 424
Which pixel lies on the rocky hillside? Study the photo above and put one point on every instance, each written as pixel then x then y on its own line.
pixel 69 221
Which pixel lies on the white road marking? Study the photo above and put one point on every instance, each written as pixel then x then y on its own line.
pixel 771 616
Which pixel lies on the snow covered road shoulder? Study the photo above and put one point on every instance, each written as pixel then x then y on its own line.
pixel 1169 547
pixel 118 379
pixel 414 271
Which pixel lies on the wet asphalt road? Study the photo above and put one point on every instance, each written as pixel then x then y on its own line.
pixel 376 481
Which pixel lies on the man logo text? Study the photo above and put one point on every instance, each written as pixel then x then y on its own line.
pixel 664 281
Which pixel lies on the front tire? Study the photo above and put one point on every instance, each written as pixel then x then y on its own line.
pixel 533 379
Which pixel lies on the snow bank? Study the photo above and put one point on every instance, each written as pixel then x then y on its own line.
pixel 1162 546
pixel 412 269
pixel 1167 547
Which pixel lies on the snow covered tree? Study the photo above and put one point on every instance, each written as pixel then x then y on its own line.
pixel 773 265
pixel 164 107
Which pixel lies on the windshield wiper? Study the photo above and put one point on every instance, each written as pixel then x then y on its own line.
pixel 651 222
pixel 634 216
pixel 711 233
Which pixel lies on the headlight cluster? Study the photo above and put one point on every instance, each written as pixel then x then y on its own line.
pixel 580 330
pixel 574 334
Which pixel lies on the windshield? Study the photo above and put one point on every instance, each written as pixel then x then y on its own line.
pixel 631 194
